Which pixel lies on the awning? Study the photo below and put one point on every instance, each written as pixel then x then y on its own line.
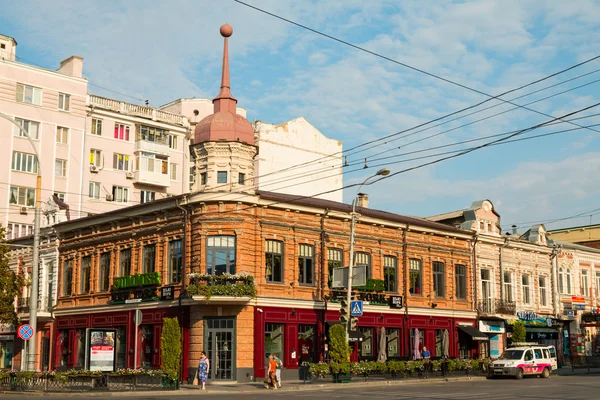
pixel 475 333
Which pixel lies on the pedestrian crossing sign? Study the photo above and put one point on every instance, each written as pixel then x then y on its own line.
pixel 356 308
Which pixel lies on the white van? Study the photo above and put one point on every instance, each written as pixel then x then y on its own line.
pixel 551 349
pixel 525 360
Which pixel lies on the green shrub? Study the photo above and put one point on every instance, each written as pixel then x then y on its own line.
pixel 339 350
pixel 170 345
pixel 518 333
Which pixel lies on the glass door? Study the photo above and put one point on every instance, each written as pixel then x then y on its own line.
pixel 220 348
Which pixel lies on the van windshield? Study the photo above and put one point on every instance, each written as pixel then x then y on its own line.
pixel 512 355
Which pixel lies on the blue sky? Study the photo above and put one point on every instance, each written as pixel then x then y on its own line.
pixel 161 51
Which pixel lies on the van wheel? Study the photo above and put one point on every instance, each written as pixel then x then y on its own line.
pixel 519 374
pixel 546 373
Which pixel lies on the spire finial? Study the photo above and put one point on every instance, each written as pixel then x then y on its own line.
pixel 225 100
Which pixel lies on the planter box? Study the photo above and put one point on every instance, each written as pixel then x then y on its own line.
pixel 342 378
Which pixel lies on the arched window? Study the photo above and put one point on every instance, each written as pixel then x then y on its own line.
pixel 561 282
pixel 569 291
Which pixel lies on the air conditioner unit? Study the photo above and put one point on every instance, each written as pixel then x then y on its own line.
pixel 129 175
pixel 94 168
pixel 109 197
pixel 23 210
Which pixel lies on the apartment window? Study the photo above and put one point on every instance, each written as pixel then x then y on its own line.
pixel 96 158
pixel 415 270
pixel 390 274
pixel 15 231
pixel 151 134
pixel 192 177
pixel 24 162
pixel 507 287
pixel 335 259
pixel 569 276
pixel 68 278
pixel 173 172
pixel 306 264
pixel 175 261
pixel 220 255
pixel 274 260
pixel 61 195
pixel 585 283
pixel 526 289
pixel 148 258
pixel 241 178
pixel 125 262
pixel 147 196
pixel 439 279
pixel 120 194
pixel 121 132
pixel 62 135
pixel 460 274
pixel 561 280
pixel 29 94
pixel 60 168
pixel 31 127
pixel 64 102
pixel 104 272
pixel 22 196
pixel 94 190
pixel 204 178
pixel 96 126
pixel 222 177
pixel 361 258
pixel 120 162
pixel 86 265
pixel 172 142
pixel 543 291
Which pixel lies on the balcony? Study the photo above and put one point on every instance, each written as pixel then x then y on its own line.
pixel 138 111
pixel 226 288
pixel 496 306
pixel 152 171
pixel 159 145
pixel 44 304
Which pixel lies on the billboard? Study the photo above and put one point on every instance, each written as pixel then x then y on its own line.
pixel 101 349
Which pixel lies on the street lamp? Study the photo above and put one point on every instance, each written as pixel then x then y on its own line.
pixel 381 172
pixel 33 296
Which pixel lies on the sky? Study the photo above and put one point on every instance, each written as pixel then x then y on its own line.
pixel 161 51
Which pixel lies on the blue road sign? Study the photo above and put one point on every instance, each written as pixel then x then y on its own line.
pixel 356 308
pixel 25 332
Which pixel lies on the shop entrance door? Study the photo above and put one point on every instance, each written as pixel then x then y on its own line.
pixel 220 348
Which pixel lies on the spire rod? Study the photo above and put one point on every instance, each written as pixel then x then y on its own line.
pixel 225 100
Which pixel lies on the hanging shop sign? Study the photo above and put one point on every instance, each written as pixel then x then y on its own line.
pixel 101 349
pixel 135 288
pixel 492 326
pixel 395 301
pixel 167 292
pixel 578 302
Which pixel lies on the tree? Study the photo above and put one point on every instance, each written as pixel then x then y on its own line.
pixel 170 345
pixel 518 334
pixel 10 285
pixel 339 350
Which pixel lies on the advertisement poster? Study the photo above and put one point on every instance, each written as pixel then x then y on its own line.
pixel 101 350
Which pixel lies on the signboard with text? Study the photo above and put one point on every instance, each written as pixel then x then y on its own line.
pixel 395 301
pixel 101 349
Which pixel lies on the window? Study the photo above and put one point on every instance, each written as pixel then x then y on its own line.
pixel 29 94
pixel 125 262
pixel 526 289
pixel 507 287
pixel 192 177
pixel 175 261
pixel 361 258
pixel 120 194
pixel 61 195
pixel 598 284
pixel 460 273
pixel 561 280
pixel 22 196
pixel 62 135
pixel 96 157
pixel 569 276
pixel 365 347
pixel 222 177
pixel 439 279
pixel 152 134
pixel 104 272
pixel 390 273
pixel 335 259
pixel 274 260
pixel 94 190
pixel 96 126
pixel 415 268
pixel 148 258
pixel 64 101
pixel 203 178
pixel 120 162
pixel 24 162
pixel 242 178
pixel 147 196
pixel 306 264
pixel 173 171
pixel 32 128
pixel 172 142
pixel 220 255
pixel 121 132
pixel 15 231
pixel 68 278
pixel 60 168
pixel 307 343
pixel 392 338
pixel 543 291
pixel 273 340
pixel 86 265
pixel 585 283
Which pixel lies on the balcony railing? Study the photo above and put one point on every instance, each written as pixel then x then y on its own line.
pixel 241 285
pixel 44 304
pixel 134 109
pixel 496 306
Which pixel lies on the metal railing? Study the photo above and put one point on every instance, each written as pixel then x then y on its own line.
pixel 496 306
pixel 44 304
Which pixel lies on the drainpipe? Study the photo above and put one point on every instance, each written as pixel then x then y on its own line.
pixel 506 243
pixel 554 258
pixel 475 281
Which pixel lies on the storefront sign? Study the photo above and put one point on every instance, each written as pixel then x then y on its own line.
pixel 7 337
pixel 134 295
pixel 151 278
pixel 101 350
pixel 395 301
pixel 373 298
pixel 578 302
pixel 167 292
pixel 571 313
pixel 492 326
pixel 537 336
pixel 527 315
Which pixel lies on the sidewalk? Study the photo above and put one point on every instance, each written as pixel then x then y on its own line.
pixel 568 371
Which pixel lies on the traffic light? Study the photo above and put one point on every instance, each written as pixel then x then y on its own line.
pixel 353 324
pixel 344 310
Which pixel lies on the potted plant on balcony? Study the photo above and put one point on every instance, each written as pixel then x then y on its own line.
pixel 339 351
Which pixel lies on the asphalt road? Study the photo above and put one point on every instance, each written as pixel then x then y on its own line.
pixel 557 387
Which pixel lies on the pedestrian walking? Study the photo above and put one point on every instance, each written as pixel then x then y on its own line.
pixel 279 364
pixel 203 367
pixel 271 374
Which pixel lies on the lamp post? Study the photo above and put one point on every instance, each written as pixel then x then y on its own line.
pixel 381 172
pixel 33 297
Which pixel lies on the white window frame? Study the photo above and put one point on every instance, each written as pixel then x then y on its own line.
pixel 35 97
pixel 96 127
pixel 16 230
pixel 64 102
pixel 27 125
pixel 147 196
pixel 24 162
pixel 526 294
pixel 117 158
pixel 120 194
pixel 94 190
pixel 543 291
pixel 569 278
pixel 124 135
pixel 173 142
pixel 509 285
pixel 173 172
pixel 585 283
pixel 62 135
pixel 60 168
pixel 96 157
pixel 25 196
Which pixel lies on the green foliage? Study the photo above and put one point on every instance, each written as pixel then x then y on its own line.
pixel 10 285
pixel 518 333
pixel 341 368
pixel 319 370
pixel 238 290
pixel 339 350
pixel 373 285
pixel 170 345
